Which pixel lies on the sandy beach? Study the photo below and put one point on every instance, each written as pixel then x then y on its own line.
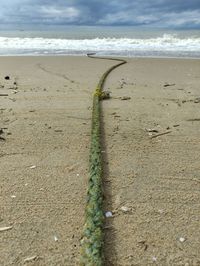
pixel 150 150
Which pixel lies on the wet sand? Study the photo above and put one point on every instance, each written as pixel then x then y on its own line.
pixel 151 184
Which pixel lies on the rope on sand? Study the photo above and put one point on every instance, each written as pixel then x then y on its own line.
pixel 92 240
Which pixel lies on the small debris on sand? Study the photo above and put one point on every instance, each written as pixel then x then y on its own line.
pixel 151 130
pixel 7 78
pixel 71 168
pixel 154 259
pixel 168 84
pixel 125 209
pixel 143 244
pixel 108 214
pixel 30 259
pixel 105 95
pixel 6 228
pixel 161 211
pixel 176 125
pixel 197 100
pixel 193 119
pixel 160 134
pixel 33 167
pixel 14 91
pixel 125 98
pixel 182 239
pixel 55 238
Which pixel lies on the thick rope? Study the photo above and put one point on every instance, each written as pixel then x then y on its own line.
pixel 92 240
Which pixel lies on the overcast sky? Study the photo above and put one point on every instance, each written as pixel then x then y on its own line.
pixel 161 13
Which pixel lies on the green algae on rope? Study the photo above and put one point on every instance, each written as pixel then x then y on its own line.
pixel 92 240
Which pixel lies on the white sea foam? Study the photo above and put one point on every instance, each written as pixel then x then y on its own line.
pixel 122 46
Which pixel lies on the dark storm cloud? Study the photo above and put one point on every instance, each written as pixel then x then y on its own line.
pixel 162 13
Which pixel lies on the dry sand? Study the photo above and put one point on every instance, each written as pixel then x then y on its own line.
pixel 151 185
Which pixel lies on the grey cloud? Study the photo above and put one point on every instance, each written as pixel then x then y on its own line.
pixel 162 13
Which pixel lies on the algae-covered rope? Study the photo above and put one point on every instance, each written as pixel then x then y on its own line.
pixel 92 240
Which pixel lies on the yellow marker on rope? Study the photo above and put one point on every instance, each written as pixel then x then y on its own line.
pixel 98 92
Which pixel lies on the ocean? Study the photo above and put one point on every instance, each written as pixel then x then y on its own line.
pixel 105 41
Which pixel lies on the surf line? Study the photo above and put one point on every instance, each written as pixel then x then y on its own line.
pixel 92 239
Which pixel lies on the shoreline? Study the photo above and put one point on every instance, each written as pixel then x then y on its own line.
pixel 85 55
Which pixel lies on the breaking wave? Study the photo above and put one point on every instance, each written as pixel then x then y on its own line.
pixel 167 45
